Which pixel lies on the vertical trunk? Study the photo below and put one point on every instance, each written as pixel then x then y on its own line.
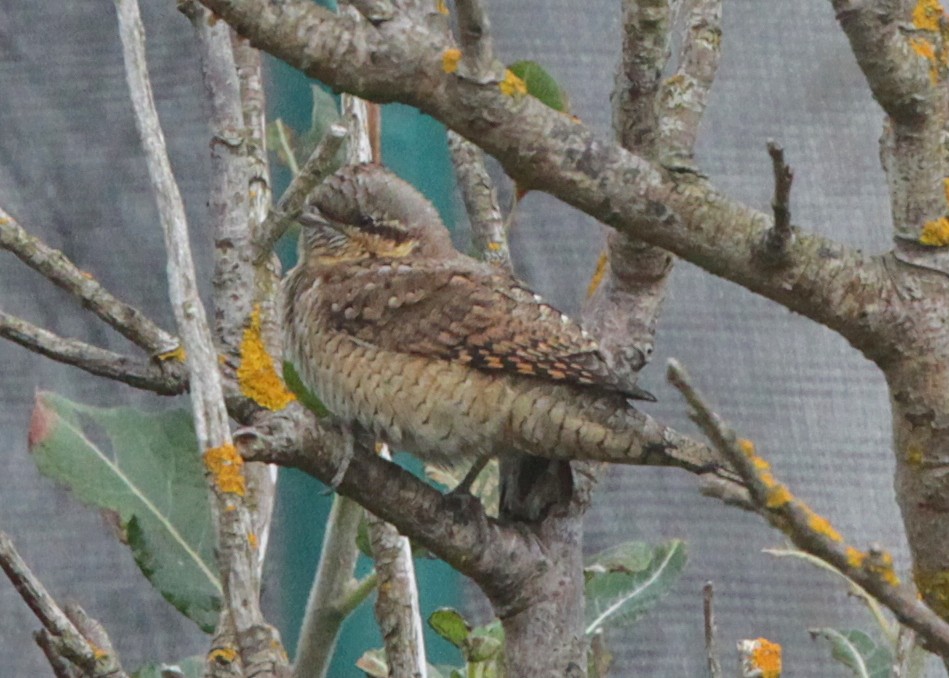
pixel 919 390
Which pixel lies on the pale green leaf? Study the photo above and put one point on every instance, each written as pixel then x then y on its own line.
pixel 146 469
pixel 622 594
pixel 857 651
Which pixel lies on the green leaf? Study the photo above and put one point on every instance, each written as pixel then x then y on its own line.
pixel 629 557
pixel 621 594
pixel 450 625
pixel 857 651
pixel 292 379
pixel 145 468
pixel 541 85
pixel 192 667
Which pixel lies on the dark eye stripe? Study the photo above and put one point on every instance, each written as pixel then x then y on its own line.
pixel 384 230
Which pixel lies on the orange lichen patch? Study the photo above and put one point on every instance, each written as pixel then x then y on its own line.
pixel 494 246
pixel 778 496
pixel 934 587
pixel 256 375
pixel 253 540
pixel 935 233
pixel 222 655
pixel 747 447
pixel 176 354
pixel 926 15
pixel 766 657
pixel 881 565
pixel 767 479
pixel 598 273
pixel 819 524
pixel 226 467
pixel 512 85
pixel 855 558
pixel 441 7
pixel 450 60
pixel 760 464
pixel 927 50
pixel 98 653
pixel 923 48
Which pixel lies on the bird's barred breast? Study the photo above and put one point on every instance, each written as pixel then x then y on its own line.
pixel 445 412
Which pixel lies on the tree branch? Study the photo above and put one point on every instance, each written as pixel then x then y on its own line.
pixel 63 639
pixel 812 533
pixel 165 377
pixel 53 264
pixel 546 150
pixel 258 643
pixel 316 168
pixel 334 578
pixel 499 558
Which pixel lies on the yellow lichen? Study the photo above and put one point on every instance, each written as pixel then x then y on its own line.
pixel 450 60
pixel 226 468
pixel 256 376
pixel 512 85
pixel 99 654
pixel 934 587
pixel 766 657
pixel 441 7
pixel 926 15
pixel 178 353
pixel 598 274
pixel 222 655
pixel 760 464
pixel 778 496
pixel 494 246
pixel 945 188
pixel 927 50
pixel 935 233
pixel 253 540
pixel 819 524
pixel 881 565
pixel 747 447
pixel 855 558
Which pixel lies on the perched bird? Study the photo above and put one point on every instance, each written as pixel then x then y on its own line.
pixel 432 351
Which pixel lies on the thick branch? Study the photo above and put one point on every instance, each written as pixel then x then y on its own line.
pixel 165 378
pixel 543 149
pixel 53 264
pixel 500 558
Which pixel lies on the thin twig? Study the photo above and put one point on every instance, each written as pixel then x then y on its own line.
pixel 165 378
pixel 53 264
pixel 314 170
pixel 779 236
pixel 873 570
pixel 61 666
pixel 397 607
pixel 481 201
pixel 711 645
pixel 333 581
pixel 64 638
pixel 235 552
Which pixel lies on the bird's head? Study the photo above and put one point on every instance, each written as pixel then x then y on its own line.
pixel 365 212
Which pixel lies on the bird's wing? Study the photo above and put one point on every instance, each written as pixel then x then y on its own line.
pixel 470 315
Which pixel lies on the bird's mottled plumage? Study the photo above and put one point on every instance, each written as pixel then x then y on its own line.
pixel 433 351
